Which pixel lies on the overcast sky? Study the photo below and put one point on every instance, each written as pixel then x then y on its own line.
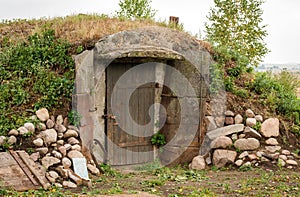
pixel 281 16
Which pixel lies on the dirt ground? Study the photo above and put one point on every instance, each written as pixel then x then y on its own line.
pixel 266 180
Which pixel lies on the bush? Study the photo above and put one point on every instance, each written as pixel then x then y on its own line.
pixel 34 74
pixel 278 91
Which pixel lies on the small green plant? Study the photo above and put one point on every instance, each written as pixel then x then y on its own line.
pixel 79 49
pixel 214 168
pixel 158 139
pixel 28 134
pixel 3 192
pixel 257 126
pixel 280 163
pixel 296 118
pixel 153 183
pixel 243 93
pixel 238 150
pixel 202 192
pixel 296 130
pixel 30 151
pixel 229 84
pixel 74 118
pixel 245 168
pixel 5 146
pixel 297 151
pixel 109 171
pixel 110 191
pixel 149 166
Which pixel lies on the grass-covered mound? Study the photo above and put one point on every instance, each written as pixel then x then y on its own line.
pixel 37 69
pixel 36 65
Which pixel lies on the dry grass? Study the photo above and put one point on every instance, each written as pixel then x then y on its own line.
pixel 80 29
pixel 75 29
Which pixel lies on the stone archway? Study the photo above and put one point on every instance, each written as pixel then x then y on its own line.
pixel 151 44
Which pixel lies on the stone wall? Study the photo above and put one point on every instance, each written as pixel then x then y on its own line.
pixel 246 140
pixel 53 145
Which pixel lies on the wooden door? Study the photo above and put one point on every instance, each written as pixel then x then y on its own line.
pixel 124 148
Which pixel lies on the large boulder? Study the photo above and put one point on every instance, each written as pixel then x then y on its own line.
pixel 69 184
pixel 198 163
pixel 221 142
pixel 223 157
pixel 273 149
pixel 42 114
pixel 70 133
pixel 38 142
pixel 251 122
pixel 272 142
pixel 93 169
pixel 247 144
pixel 238 119
pixel 270 127
pixel 49 136
pixel 75 154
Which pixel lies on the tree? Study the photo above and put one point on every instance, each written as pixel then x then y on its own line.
pixel 132 9
pixel 235 27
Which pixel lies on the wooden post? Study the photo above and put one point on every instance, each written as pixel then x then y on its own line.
pixel 174 20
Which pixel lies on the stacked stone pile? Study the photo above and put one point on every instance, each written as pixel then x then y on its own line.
pixel 55 144
pixel 245 140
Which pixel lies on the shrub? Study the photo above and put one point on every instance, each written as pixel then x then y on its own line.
pixel 278 91
pixel 33 74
